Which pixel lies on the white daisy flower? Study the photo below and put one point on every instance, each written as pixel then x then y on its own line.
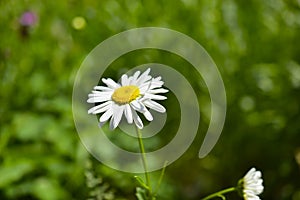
pixel 251 185
pixel 133 93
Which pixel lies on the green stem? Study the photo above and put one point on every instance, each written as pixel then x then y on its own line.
pixel 160 178
pixel 220 193
pixel 142 149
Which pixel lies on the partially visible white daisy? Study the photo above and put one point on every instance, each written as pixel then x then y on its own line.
pixel 131 94
pixel 251 185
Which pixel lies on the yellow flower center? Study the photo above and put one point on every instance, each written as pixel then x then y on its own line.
pixel 125 94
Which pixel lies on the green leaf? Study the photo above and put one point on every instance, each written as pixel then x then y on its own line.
pixel 30 126
pixel 15 171
pixel 48 189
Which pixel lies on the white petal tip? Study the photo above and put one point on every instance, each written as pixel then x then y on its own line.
pixel 140 127
pixel 90 101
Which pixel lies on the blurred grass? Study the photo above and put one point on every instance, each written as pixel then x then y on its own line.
pixel 255 45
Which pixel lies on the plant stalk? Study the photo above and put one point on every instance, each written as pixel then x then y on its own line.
pixel 144 160
pixel 220 193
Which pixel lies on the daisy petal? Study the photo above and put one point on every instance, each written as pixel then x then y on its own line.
pixel 154 106
pixel 102 88
pixel 144 87
pixel 135 77
pixel 124 80
pixel 130 80
pixel 156 84
pixel 148 115
pixel 118 112
pixel 106 115
pixel 137 120
pixel 154 97
pixel 138 106
pixel 110 83
pixel 151 84
pixel 100 108
pixel 157 78
pixel 128 114
pixel 99 94
pixel 160 90
pixel 98 99
pixel 111 123
pixel 144 77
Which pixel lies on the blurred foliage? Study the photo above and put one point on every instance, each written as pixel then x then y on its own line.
pixel 254 43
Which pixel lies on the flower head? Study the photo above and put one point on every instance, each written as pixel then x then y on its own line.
pixel 131 94
pixel 251 185
pixel 28 18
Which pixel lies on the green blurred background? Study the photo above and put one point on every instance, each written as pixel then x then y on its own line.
pixel 255 45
